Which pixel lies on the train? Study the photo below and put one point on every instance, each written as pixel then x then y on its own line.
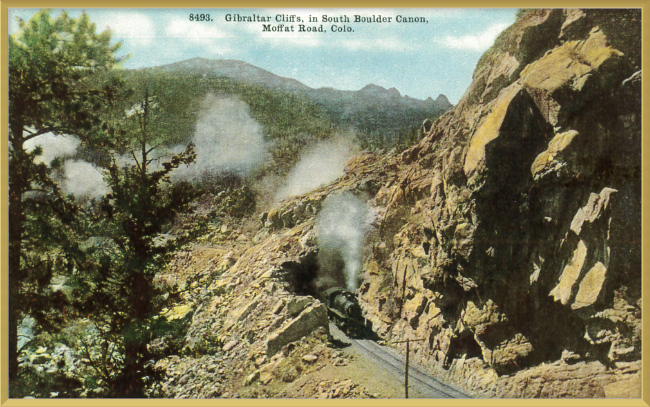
pixel 343 309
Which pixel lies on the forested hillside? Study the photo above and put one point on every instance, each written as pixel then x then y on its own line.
pixel 289 122
pixel 380 118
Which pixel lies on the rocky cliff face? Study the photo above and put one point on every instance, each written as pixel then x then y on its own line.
pixel 508 238
pixel 512 237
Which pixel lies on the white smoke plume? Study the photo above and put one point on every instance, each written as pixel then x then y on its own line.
pixel 53 146
pixel 227 139
pixel 80 178
pixel 318 166
pixel 342 225
pixel 83 180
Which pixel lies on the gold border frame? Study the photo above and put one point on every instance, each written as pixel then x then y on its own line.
pixel 4 198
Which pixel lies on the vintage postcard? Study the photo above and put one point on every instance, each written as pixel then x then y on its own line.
pixel 222 203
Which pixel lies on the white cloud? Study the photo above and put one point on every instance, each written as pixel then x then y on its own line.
pixel 288 40
pixel 136 28
pixel 211 38
pixel 444 13
pixel 384 44
pixel 196 32
pixel 476 42
pixel 180 49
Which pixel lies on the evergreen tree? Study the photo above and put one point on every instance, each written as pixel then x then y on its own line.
pixel 50 61
pixel 115 287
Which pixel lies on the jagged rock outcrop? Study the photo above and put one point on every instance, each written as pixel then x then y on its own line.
pixel 304 324
pixel 513 233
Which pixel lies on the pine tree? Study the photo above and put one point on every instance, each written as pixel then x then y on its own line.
pixel 50 61
pixel 115 287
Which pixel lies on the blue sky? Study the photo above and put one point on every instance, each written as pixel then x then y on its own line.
pixel 419 59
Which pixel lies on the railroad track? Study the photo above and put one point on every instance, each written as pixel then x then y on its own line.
pixel 428 384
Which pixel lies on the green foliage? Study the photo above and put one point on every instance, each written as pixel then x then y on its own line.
pixel 290 122
pixel 46 232
pixel 206 345
pixel 379 127
pixel 50 61
pixel 172 333
pixel 406 138
pixel 51 367
pixel 124 251
pixel 33 383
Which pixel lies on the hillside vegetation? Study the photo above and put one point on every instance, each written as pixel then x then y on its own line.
pixel 381 118
pixel 289 121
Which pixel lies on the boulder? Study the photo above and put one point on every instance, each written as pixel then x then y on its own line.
pixel 555 158
pixel 297 304
pixel 427 124
pixel 489 130
pixel 595 209
pixel 267 373
pixel 227 347
pixel 590 286
pixel 221 286
pixel 253 377
pixel 180 312
pixel 464 239
pixel 414 308
pixel 304 324
pixel 278 306
pixel 509 353
pixel 570 274
pixel 39 359
pixel 582 279
pixel 310 358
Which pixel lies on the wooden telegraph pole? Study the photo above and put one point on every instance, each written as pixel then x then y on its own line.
pixel 406 371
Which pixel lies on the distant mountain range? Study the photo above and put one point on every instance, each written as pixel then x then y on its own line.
pixel 373 109
pixel 237 70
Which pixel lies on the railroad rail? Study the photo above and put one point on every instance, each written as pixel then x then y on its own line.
pixel 438 388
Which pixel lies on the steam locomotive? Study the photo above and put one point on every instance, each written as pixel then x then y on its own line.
pixel 343 309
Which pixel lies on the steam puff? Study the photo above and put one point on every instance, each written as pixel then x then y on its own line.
pixel 83 180
pixel 342 225
pixel 53 146
pixel 317 167
pixel 227 139
pixel 80 178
